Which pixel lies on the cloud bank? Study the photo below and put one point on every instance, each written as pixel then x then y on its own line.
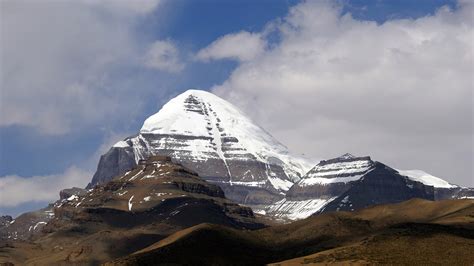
pixel 400 91
pixel 15 190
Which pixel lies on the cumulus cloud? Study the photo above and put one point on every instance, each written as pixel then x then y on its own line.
pixel 15 190
pixel 400 91
pixel 241 46
pixel 61 62
pixel 163 55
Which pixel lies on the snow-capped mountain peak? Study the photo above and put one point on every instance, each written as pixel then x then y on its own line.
pixel 197 113
pixel 202 114
pixel 214 138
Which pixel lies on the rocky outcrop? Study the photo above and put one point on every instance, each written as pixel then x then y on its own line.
pixel 69 192
pixel 155 190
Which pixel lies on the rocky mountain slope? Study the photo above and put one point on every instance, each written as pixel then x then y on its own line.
pixel 26 225
pixel 412 232
pixel 212 137
pixel 138 208
pixel 5 220
pixel 350 183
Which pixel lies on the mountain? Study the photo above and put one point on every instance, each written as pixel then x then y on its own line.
pixel 210 136
pixel 379 185
pixel 410 233
pixel 144 205
pixel 213 138
pixel 349 183
pixel 322 184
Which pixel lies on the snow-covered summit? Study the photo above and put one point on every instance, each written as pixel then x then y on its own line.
pixel 197 113
pixel 217 140
pixel 203 114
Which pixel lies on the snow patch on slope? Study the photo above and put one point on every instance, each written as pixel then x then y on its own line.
pixel 121 144
pixel 130 204
pixel 425 178
pixel 296 209
pixel 325 181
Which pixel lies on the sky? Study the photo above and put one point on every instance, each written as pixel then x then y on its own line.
pixel 389 79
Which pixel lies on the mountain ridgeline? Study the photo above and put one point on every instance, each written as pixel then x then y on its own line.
pixel 216 140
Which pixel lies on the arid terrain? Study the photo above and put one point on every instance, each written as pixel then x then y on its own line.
pixel 412 232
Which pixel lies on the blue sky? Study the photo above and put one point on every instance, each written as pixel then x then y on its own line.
pixel 27 149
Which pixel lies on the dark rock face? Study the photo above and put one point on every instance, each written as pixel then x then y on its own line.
pixel 381 185
pixel 115 162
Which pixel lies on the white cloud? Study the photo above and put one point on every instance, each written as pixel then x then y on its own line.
pixel 400 91
pixel 163 55
pixel 126 6
pixel 60 61
pixel 242 46
pixel 16 190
